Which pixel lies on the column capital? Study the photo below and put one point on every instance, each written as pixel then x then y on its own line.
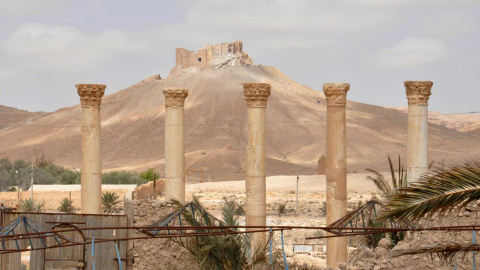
pixel 256 94
pixel 91 94
pixel 336 93
pixel 418 92
pixel 175 97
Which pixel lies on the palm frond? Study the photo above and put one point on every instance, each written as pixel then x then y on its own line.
pixel 109 201
pixel 403 178
pixel 392 171
pixel 430 165
pixel 379 181
pixel 444 252
pixel 438 192
pixel 228 213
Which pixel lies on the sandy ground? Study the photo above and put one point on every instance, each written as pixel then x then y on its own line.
pixel 311 187
pixel 307 184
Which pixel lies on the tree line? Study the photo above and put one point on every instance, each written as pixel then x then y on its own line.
pixel 19 172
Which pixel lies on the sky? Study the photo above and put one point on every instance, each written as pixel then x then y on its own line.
pixel 48 46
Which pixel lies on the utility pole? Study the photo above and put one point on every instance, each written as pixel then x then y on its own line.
pixel 31 183
pixel 18 184
pixel 154 187
pixel 296 207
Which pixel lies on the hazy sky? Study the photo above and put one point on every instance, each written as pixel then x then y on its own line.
pixel 48 46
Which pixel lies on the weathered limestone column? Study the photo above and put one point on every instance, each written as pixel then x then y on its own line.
pixel 175 143
pixel 336 167
pixel 418 93
pixel 91 195
pixel 256 95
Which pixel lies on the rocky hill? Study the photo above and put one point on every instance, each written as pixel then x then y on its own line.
pixel 10 117
pixel 458 122
pixel 216 131
pixel 473 128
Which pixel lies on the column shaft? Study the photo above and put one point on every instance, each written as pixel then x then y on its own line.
pixel 91 181
pixel 175 143
pixel 255 181
pixel 91 161
pixel 256 95
pixel 417 145
pixel 418 93
pixel 175 153
pixel 336 168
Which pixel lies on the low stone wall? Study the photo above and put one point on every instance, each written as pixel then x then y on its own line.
pixel 152 254
pixel 145 191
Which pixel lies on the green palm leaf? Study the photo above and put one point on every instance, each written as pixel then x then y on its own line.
pixel 392 171
pixel 380 182
pixel 438 192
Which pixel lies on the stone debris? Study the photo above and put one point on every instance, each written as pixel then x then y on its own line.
pixel 151 78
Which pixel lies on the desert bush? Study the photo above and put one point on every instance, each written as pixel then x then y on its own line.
pixel 68 177
pixel 238 208
pixel 319 233
pixel 282 208
pixel 42 160
pixel 324 208
pixel 148 174
pixel 122 177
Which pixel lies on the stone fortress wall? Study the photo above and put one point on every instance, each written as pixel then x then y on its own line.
pixel 208 53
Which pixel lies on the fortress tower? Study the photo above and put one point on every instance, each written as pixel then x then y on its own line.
pixel 230 54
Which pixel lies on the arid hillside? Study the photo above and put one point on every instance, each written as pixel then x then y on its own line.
pixel 473 128
pixel 215 111
pixel 10 117
pixel 457 121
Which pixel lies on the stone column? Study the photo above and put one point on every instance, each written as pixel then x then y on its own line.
pixel 256 95
pixel 336 167
pixel 418 93
pixel 175 143
pixel 91 195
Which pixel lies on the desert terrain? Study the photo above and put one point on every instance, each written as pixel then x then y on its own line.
pixel 11 117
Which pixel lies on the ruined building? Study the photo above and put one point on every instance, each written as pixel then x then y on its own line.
pixel 209 57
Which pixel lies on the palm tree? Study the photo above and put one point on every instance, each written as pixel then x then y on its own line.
pixel 109 201
pixel 440 191
pixel 388 189
pixel 66 206
pixel 218 252
pixel 29 205
pixel 396 182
